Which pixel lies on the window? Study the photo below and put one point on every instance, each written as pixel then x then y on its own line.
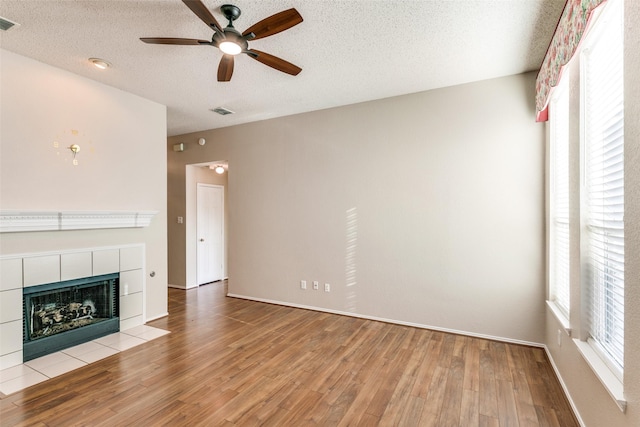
pixel 598 240
pixel 559 245
pixel 602 197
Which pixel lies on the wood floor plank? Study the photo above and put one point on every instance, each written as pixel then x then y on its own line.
pixel 366 394
pixel 469 412
pixel 366 343
pixel 526 410
pixel 368 420
pixel 501 364
pixel 507 403
pixel 407 372
pixel 488 393
pixel 435 397
pixel 452 404
pixel 334 386
pixel 234 362
pixel 541 394
pixel 368 368
pixel 303 409
pixel 446 352
pixel 270 410
pixel 547 417
pixel 412 412
pixel 472 366
pixel 487 421
pixel 338 408
pixel 383 400
pixel 427 368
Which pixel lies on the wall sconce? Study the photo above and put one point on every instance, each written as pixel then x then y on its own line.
pixel 178 147
pixel 75 148
pixel 202 141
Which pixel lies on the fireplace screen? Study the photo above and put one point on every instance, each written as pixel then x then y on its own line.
pixel 63 314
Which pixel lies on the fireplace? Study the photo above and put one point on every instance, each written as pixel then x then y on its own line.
pixel 63 314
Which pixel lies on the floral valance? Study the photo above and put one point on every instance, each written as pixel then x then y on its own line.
pixel 573 23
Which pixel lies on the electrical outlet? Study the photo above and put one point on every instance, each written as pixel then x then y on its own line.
pixel 316 285
pixel 303 284
pixel 327 287
pixel 180 220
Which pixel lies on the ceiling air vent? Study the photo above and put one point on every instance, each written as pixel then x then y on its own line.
pixel 222 111
pixel 6 24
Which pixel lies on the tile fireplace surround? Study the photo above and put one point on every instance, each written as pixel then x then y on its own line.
pixel 18 271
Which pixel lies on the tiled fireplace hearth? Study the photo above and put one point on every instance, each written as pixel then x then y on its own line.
pixel 29 271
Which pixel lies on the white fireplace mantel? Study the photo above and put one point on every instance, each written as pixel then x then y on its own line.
pixel 18 221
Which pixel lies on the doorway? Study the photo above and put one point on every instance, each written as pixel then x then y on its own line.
pixel 209 233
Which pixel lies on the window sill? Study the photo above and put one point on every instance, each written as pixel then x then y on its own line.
pixel 560 317
pixel 608 379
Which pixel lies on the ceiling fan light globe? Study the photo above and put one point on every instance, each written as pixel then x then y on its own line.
pixel 230 48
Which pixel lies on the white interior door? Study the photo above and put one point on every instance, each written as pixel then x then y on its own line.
pixel 210 232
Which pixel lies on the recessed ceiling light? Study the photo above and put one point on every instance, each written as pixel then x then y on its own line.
pixel 100 63
pixel 222 111
pixel 6 24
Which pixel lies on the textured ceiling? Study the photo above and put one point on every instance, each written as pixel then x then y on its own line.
pixel 349 50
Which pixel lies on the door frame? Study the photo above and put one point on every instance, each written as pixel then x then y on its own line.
pixel 188 250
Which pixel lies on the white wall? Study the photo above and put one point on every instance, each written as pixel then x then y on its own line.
pixel 425 208
pixel 121 165
pixel 591 399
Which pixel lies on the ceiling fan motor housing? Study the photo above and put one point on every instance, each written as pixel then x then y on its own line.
pixel 232 35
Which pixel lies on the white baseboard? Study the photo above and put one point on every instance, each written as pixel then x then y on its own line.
pixel 160 316
pixel 184 288
pixel 393 321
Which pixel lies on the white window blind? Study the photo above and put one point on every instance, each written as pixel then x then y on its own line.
pixel 559 254
pixel 603 133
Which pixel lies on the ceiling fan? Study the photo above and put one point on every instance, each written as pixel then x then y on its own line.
pixel 231 42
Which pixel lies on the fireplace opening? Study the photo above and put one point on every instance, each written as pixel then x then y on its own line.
pixel 63 314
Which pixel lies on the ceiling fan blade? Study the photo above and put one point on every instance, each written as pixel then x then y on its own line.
pixel 172 40
pixel 225 69
pixel 274 24
pixel 203 13
pixel 274 62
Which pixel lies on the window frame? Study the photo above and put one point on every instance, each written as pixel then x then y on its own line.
pixel 602 349
pixel 559 217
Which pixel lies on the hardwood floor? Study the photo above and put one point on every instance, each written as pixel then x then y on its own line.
pixel 235 362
